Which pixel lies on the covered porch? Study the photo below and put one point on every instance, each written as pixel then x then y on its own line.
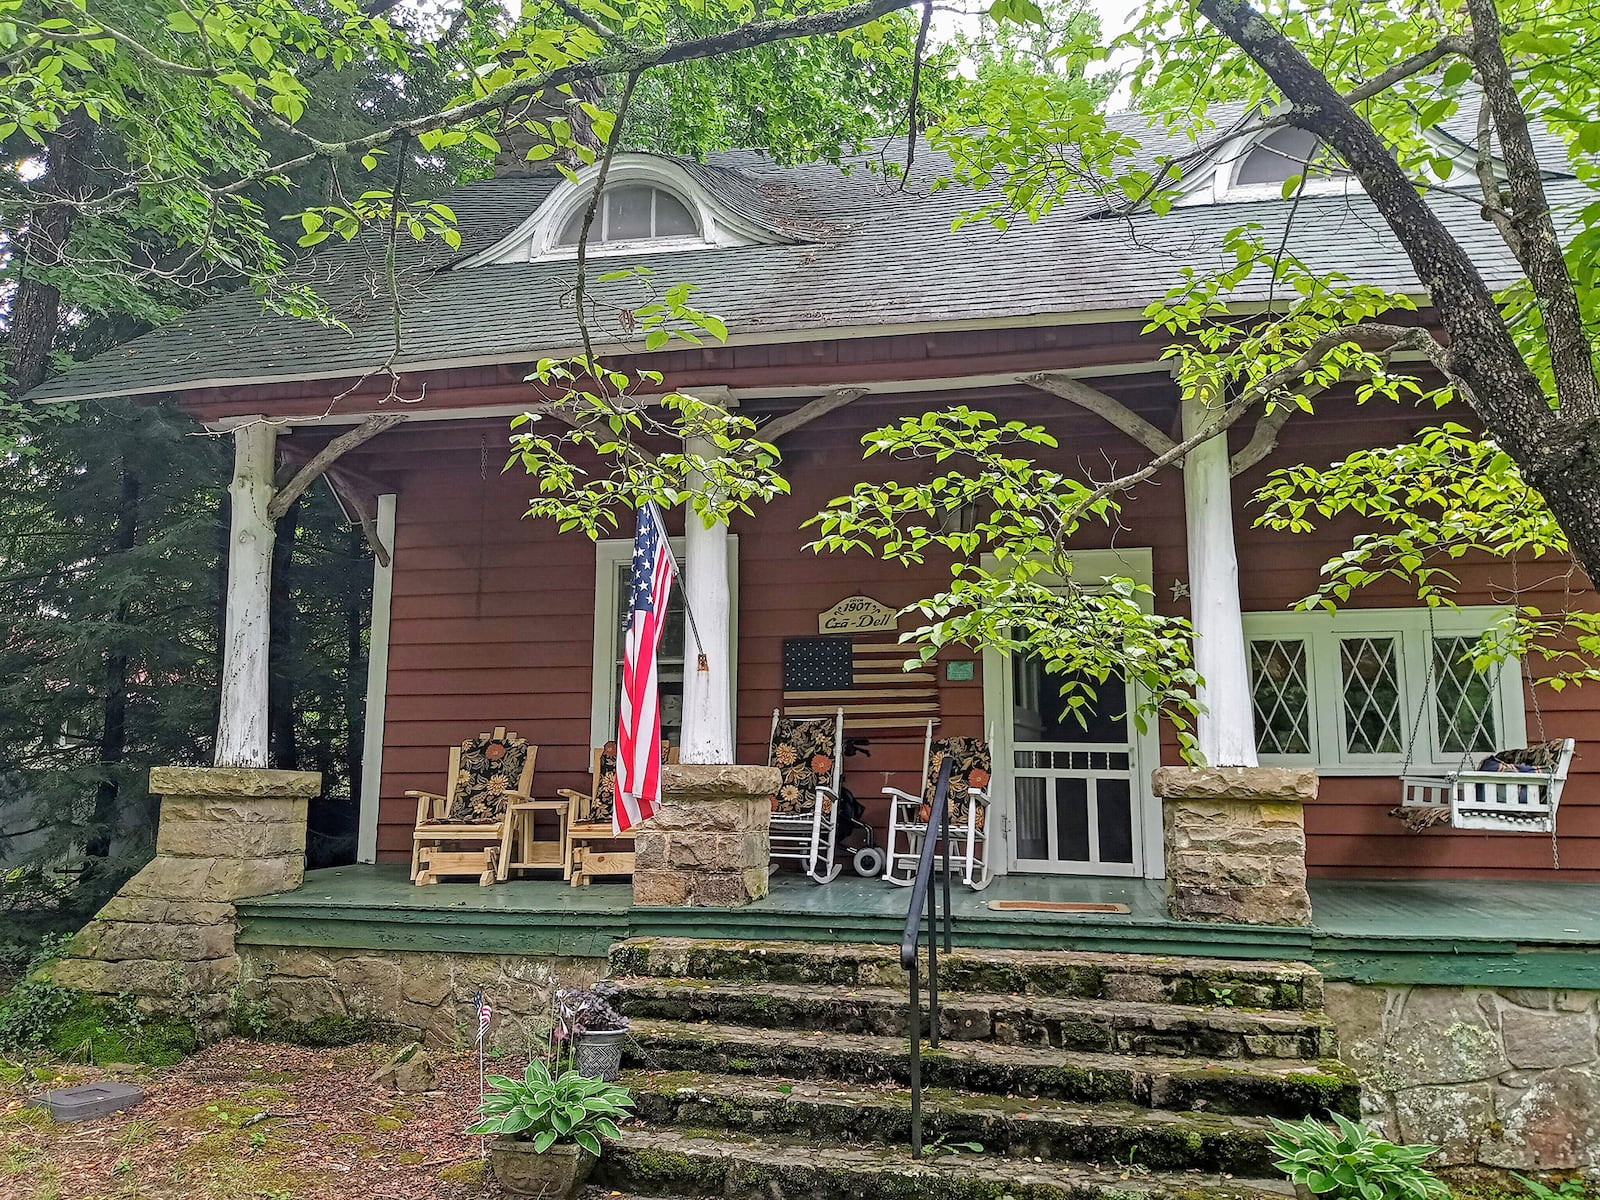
pixel 1474 934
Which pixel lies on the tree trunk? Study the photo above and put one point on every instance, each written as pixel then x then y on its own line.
pixel 283 654
pixel 1559 457
pixel 35 316
pixel 107 814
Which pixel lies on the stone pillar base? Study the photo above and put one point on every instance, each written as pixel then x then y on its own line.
pixel 167 937
pixel 708 846
pixel 1236 843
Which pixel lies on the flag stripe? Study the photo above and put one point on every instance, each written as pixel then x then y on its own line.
pixel 639 721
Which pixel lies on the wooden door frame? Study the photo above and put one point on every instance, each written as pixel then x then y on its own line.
pixel 1133 563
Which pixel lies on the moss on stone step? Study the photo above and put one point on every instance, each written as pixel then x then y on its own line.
pixel 1264 1088
pixel 657 1162
pixel 1016 1127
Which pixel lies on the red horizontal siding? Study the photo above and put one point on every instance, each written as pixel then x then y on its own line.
pixel 493 614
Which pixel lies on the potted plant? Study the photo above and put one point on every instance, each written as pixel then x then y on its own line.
pixel 586 1019
pixel 548 1128
pixel 1350 1162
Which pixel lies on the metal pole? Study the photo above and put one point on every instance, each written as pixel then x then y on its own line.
pixel 916 1065
pixel 947 918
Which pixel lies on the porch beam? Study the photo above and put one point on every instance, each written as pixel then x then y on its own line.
pixel 707 707
pixel 824 404
pixel 242 712
pixel 1112 410
pixel 1225 730
pixel 327 456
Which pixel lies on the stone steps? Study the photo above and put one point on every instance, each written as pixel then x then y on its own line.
pixel 1093 1026
pixel 1149 979
pixel 781 1069
pixel 1032 1129
pixel 1259 1087
pixel 656 1161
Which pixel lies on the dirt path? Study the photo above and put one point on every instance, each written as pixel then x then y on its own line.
pixel 251 1121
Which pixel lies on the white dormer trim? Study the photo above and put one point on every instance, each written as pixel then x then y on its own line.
pixel 535 239
pixel 1213 181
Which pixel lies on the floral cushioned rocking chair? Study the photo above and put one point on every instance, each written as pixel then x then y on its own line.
pixel 806 752
pixel 968 811
pixel 488 774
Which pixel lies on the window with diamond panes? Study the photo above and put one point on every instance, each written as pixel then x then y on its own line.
pixel 1370 674
pixel 1281 695
pixel 1463 698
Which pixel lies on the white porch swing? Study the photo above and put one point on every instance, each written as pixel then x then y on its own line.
pixel 1519 793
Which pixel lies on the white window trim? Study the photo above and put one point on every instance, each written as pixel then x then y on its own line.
pixel 609 555
pixel 1216 185
pixel 535 240
pixel 1321 630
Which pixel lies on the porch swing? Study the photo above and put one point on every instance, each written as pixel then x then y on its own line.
pixel 1509 791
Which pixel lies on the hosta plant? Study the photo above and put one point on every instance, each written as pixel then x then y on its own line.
pixel 1350 1162
pixel 547 1109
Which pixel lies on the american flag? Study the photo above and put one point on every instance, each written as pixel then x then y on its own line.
pixel 864 675
pixel 639 724
pixel 484 1013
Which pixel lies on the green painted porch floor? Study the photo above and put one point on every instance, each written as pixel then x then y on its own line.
pixel 1445 932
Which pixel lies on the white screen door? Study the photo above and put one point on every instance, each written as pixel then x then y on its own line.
pixel 1074 799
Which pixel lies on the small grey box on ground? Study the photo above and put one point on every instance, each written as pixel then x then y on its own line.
pixel 86 1101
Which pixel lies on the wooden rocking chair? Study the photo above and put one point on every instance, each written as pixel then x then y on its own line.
pixel 968 800
pixel 488 774
pixel 589 821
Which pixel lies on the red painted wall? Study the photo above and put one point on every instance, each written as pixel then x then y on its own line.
pixel 493 617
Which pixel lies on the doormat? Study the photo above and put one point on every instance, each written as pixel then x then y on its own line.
pixel 1054 906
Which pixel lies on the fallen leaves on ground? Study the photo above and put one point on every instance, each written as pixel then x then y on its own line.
pixel 252 1121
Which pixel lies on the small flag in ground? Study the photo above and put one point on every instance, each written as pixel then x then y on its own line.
pixel 484 1013
pixel 639 723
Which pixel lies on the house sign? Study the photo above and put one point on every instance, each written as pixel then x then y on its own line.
pixel 857 614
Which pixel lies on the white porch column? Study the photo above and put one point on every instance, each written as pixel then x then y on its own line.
pixel 1226 730
pixel 377 686
pixel 242 724
pixel 707 705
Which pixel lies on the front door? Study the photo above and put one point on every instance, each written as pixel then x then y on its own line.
pixel 1075 806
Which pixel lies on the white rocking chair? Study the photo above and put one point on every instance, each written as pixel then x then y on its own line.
pixel 968 800
pixel 805 812
pixel 1519 796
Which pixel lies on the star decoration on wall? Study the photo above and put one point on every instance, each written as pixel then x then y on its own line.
pixel 1180 589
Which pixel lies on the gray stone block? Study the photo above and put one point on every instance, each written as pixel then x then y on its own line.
pixel 86 1101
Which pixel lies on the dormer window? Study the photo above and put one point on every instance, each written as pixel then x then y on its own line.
pixel 633 213
pixel 1285 154
pixel 651 205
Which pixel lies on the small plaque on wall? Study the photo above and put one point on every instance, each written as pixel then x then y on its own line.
pixel 960 670
pixel 857 614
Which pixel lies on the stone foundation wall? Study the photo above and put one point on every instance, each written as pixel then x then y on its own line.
pixel 1505 1078
pixel 295 991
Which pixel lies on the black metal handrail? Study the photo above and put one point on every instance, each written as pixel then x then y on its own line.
pixel 924 897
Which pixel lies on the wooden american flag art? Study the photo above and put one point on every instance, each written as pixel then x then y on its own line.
pixel 861 674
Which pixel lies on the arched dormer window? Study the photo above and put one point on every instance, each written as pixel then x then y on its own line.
pixel 651 204
pixel 1267 163
pixel 633 213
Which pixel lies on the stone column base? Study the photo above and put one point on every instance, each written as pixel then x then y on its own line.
pixel 708 845
pixel 167 937
pixel 1236 843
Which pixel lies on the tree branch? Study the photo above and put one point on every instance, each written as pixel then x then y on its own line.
pixel 1077 392
pixel 1571 361
pixel 1263 441
pixel 326 457
pixel 1405 68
